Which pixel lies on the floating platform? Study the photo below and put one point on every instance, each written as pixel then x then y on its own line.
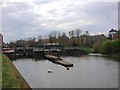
pixel 58 60
pixel 64 63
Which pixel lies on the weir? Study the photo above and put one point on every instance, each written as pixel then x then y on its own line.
pixel 39 53
pixel 36 54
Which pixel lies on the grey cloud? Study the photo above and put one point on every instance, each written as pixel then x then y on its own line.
pixel 119 15
pixel 103 14
pixel 19 21
pixel 21 25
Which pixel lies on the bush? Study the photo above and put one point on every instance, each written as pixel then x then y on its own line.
pixel 97 47
pixel 110 46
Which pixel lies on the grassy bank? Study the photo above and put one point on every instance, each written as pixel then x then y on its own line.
pixel 0 70
pixel 11 78
pixel 86 49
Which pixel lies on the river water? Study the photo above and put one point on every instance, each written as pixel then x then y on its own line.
pixel 89 71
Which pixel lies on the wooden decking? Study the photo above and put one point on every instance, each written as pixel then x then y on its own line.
pixel 58 60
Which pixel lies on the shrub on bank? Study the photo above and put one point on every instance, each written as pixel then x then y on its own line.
pixel 97 47
pixel 110 47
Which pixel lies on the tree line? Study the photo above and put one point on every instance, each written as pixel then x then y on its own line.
pixel 100 43
pixel 73 37
pixel 108 46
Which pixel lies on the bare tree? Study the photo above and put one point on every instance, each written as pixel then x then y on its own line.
pixel 63 39
pixel 78 32
pixel 30 41
pixel 39 40
pixel 71 33
pixel 86 33
pixel 54 33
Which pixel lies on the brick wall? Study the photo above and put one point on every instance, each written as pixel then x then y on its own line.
pixel 1 41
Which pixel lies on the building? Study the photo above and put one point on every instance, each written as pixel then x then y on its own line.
pixel 1 41
pixel 91 40
pixel 113 34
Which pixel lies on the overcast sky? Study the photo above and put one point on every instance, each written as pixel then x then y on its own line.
pixel 31 19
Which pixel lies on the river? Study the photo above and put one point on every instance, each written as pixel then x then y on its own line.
pixel 89 71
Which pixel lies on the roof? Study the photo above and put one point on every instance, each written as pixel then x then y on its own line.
pixel 112 30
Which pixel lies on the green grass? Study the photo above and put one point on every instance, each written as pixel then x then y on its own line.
pixel 11 78
pixel 86 49
pixel 0 70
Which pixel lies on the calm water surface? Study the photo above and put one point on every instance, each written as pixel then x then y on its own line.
pixel 88 72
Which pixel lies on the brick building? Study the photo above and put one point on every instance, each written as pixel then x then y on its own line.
pixel 1 41
pixel 113 34
pixel 91 40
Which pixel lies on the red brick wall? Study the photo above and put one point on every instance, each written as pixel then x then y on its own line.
pixel 115 36
pixel 1 41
